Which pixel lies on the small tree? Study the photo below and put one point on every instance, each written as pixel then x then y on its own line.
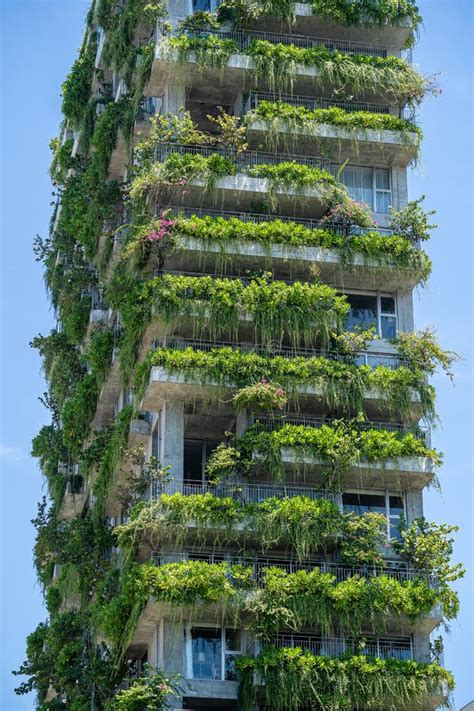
pixel 412 222
pixel 147 693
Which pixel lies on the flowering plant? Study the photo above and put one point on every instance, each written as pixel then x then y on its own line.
pixel 262 395
pixel 349 213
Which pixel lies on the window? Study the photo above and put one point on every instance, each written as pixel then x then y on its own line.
pixel 389 504
pixel 156 439
pixel 369 185
pixel 213 652
pixel 196 454
pixel 377 310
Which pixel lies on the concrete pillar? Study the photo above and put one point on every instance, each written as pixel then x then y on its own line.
pixel 399 188
pixel 172 434
pixel 242 422
pixel 175 99
pixel 405 311
pixel 414 502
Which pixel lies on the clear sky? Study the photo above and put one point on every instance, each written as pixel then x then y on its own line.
pixel 40 39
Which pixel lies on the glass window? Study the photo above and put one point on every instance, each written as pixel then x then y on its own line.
pixel 359 182
pixel 390 505
pixel 396 510
pixel 363 503
pixel 363 311
pixel 214 652
pixel 388 317
pixel 383 194
pixel 193 460
pixel 207 653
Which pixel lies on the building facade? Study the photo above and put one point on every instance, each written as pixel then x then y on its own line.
pixel 240 406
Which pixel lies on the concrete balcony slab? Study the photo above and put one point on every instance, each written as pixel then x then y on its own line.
pixel 394 149
pixel 222 86
pixel 165 385
pixel 409 473
pixel 292 262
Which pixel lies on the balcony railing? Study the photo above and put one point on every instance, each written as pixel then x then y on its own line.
pixel 271 423
pixel 334 227
pixel 244 38
pixel 364 358
pixel 245 159
pixel 253 99
pixel 260 564
pixel 383 648
pixel 243 492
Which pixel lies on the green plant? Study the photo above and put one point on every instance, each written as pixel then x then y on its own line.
pixel 412 222
pixel 228 233
pixel 338 446
pixel 342 384
pixel 151 691
pixel 292 120
pixel 422 352
pixel 294 677
pixel 262 396
pixel 77 87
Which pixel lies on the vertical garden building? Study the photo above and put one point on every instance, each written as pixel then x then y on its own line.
pixel 240 405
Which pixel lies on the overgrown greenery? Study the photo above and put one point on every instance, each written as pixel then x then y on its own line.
pixel 277 66
pixel 294 677
pixel 91 592
pixel 383 250
pixel 279 116
pixel 338 446
pixel 341 383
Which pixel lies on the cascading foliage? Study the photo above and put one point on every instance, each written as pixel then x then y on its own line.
pixel 108 253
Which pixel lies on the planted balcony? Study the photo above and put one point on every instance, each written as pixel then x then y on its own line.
pixel 217 176
pixel 345 252
pixel 290 677
pixel 194 374
pixel 366 137
pixel 277 63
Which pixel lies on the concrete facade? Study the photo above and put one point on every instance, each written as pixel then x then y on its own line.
pixel 181 418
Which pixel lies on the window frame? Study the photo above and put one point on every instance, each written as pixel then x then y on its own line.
pixel 379 296
pixel 386 493
pixel 375 190
pixel 204 456
pixel 189 659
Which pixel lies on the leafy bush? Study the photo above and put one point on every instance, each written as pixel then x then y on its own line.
pixel 342 384
pixel 293 678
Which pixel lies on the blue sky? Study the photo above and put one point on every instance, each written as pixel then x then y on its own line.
pixel 40 39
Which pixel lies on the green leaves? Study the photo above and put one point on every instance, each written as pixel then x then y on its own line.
pixel 293 677
pixel 342 384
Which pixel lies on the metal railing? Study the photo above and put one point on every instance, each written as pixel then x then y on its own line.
pixel 260 564
pixel 243 39
pixel 364 358
pixel 383 648
pixel 272 423
pixel 245 159
pixel 245 493
pixel 251 101
pixel 254 217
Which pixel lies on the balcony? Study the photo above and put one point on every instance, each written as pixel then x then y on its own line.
pixel 421 432
pixel 374 147
pixel 245 493
pixel 259 564
pixel 165 385
pixel 286 260
pixel 106 403
pixel 243 39
pixel 222 86
pixel 412 473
